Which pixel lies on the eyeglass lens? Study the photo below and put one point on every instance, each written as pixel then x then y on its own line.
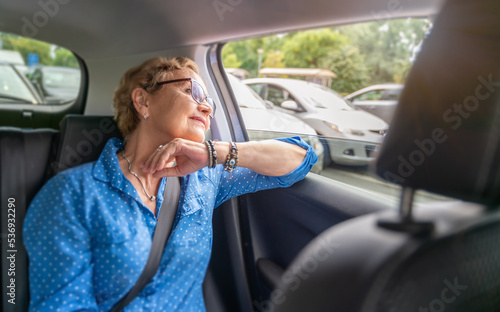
pixel 199 95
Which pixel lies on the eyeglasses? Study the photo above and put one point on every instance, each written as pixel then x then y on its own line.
pixel 197 93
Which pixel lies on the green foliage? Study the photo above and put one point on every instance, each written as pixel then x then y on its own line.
pixel 360 54
pixel 274 60
pixel 348 63
pixel 48 54
pixel 389 47
pixel 306 49
pixel 65 58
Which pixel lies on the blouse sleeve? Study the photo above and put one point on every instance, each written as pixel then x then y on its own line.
pixel 245 181
pixel 59 250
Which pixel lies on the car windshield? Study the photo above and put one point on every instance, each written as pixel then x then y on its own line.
pixel 62 79
pixel 245 96
pixel 13 88
pixel 322 97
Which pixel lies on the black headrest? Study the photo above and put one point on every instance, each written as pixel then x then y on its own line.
pixel 82 139
pixel 445 134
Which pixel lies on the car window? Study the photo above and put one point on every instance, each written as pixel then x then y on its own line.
pixel 392 95
pixel 257 87
pixel 317 69
pixel 321 97
pixel 246 96
pixel 374 95
pixel 276 95
pixel 52 73
pixel 14 88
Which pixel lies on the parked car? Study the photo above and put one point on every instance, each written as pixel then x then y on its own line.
pixel 263 122
pixel 352 135
pixel 380 99
pixel 57 84
pixel 15 88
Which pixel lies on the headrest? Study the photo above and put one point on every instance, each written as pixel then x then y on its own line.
pixel 82 139
pixel 445 134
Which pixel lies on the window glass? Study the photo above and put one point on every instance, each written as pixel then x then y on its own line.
pixel 317 69
pixel 374 95
pixel 392 95
pixel 275 95
pixel 14 87
pixel 46 74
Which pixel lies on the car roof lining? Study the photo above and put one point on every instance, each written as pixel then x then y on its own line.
pixel 74 24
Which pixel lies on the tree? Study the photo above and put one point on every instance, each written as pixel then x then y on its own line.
pixel 65 58
pixel 389 47
pixel 306 49
pixel 274 60
pixel 349 65
pixel 49 55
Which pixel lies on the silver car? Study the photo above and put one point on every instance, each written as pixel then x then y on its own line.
pixel 263 122
pixel 380 99
pixel 353 135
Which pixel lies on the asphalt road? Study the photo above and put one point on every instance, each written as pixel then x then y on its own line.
pixel 364 178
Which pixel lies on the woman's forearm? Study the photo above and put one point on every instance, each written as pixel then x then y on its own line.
pixel 269 157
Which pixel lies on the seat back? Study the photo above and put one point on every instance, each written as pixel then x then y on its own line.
pixel 28 158
pixel 358 266
pixel 82 139
pixel 24 158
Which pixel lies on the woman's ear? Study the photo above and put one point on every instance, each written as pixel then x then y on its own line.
pixel 140 102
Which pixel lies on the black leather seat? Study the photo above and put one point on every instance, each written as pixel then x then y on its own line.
pixel 28 159
pixel 445 138
pixel 82 139
pixel 24 159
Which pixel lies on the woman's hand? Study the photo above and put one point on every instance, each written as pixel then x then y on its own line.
pixel 189 157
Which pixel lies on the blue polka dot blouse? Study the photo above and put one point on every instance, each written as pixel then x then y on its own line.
pixel 88 235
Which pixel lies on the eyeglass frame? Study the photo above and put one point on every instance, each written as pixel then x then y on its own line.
pixel 206 99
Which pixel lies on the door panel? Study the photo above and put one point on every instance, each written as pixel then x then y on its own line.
pixel 274 226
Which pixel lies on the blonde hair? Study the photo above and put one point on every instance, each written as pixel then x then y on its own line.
pixel 143 76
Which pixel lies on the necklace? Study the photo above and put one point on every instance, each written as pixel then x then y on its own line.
pixel 151 197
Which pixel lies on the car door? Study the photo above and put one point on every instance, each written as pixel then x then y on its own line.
pixel 257 236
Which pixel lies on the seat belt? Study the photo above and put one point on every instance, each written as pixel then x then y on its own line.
pixel 162 232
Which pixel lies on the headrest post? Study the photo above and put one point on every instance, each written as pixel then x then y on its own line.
pixel 406 204
pixel 404 222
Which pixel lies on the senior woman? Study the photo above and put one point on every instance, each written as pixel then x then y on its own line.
pixel 89 230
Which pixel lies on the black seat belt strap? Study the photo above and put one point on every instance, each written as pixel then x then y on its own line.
pixel 162 232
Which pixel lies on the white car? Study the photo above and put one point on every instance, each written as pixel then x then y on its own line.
pixel 380 99
pixel 264 122
pixel 357 134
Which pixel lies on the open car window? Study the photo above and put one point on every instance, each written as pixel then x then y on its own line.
pixel 307 74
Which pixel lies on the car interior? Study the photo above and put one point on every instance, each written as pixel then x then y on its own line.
pixel 320 245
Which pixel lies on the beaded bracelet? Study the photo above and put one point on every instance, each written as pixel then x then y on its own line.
pixel 213 154
pixel 231 159
pixel 209 149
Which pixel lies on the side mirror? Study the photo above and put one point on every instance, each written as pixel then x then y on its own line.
pixel 291 105
pixel 269 104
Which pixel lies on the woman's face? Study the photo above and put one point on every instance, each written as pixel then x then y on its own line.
pixel 173 111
